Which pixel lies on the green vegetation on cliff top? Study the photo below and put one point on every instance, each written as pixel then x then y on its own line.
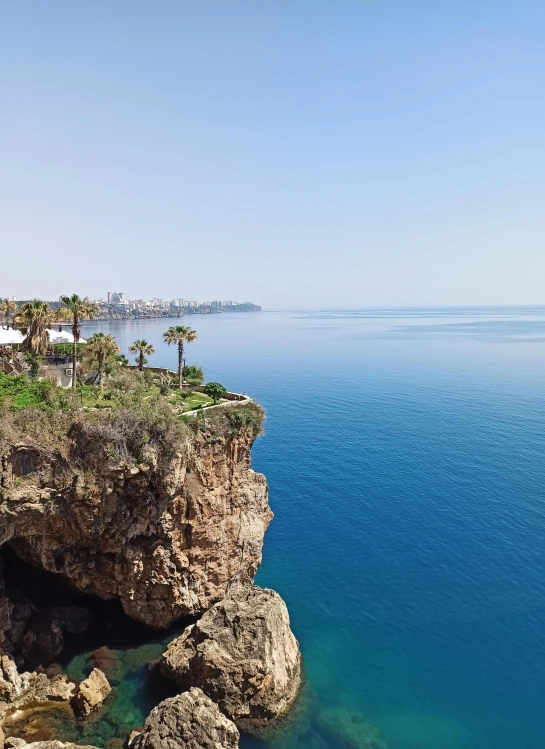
pixel 124 423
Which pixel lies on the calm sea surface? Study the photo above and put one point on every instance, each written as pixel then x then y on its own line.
pixel 405 456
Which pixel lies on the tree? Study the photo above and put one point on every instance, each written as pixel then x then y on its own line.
pixel 179 334
pixel 33 320
pixel 143 349
pixel 193 375
pixel 76 309
pixel 8 308
pixel 98 349
pixel 215 390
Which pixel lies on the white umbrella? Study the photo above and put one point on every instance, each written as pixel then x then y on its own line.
pixel 62 336
pixel 8 337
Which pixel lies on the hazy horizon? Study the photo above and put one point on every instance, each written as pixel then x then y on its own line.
pixel 310 155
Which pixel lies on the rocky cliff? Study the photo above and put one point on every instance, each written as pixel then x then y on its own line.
pixel 166 533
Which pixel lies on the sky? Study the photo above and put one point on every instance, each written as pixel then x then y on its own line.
pixel 295 153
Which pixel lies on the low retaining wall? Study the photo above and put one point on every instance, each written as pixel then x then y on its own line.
pixel 228 396
pixel 159 370
pixel 233 402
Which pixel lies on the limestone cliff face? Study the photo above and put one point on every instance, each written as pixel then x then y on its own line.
pixel 166 537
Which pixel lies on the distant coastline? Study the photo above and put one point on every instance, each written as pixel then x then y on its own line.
pixel 122 312
pixel 115 312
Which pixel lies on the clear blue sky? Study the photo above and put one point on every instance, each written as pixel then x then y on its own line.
pixel 293 152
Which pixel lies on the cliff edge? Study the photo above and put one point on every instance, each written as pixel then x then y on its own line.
pixel 164 525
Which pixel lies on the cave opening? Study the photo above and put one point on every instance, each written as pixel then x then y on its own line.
pixel 53 628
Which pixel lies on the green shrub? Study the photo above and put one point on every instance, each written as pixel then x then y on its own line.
pixel 193 375
pixel 21 392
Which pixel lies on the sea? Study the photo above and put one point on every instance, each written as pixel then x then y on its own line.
pixel 404 450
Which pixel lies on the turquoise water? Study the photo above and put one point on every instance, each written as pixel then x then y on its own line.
pixel 404 452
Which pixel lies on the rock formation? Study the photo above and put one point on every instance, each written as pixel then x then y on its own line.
pixel 189 721
pixel 91 693
pixel 166 536
pixel 16 743
pixel 28 693
pixel 177 531
pixel 243 655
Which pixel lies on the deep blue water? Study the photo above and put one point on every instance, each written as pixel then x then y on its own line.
pixel 404 452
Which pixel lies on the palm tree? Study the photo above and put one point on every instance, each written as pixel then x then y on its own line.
pixel 143 349
pixel 33 320
pixel 8 307
pixel 97 349
pixel 178 334
pixel 76 309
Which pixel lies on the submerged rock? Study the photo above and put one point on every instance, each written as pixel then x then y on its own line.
pixel 348 729
pixel 189 721
pixel 91 693
pixel 109 662
pixel 243 655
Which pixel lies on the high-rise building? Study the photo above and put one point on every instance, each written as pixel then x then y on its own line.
pixel 109 297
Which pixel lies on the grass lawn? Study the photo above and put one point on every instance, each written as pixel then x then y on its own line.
pixel 197 400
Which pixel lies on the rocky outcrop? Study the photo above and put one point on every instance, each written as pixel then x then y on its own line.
pixel 23 695
pixel 166 536
pixel 243 655
pixel 91 693
pixel 16 743
pixel 189 721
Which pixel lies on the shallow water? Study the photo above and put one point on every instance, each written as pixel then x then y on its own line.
pixel 404 452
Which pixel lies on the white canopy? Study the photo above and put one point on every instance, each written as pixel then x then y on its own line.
pixel 10 336
pixel 62 336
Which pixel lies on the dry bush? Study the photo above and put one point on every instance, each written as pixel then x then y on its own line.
pixel 229 420
pixel 34 426
pixel 127 434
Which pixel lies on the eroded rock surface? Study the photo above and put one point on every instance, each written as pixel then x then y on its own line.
pixel 167 537
pixel 243 655
pixel 91 693
pixel 16 743
pixel 189 721
pixel 24 695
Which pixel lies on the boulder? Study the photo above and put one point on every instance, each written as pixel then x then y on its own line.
pixel 243 655
pixel 189 721
pixel 91 693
